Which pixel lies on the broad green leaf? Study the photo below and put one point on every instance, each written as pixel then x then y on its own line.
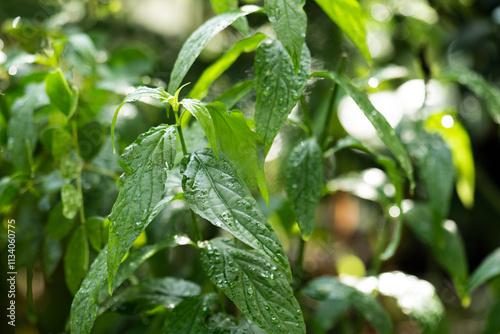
pixel 459 143
pixel 240 145
pixel 482 88
pixel 329 312
pixel 290 23
pixel 85 305
pixel 214 190
pixel 304 182
pixel 258 288
pixel 221 323
pixel 329 289
pixel 349 16
pixel 60 94
pixel 71 201
pixel 59 226
pixel 69 167
pixel 76 259
pixel 493 323
pixel 199 110
pixel 215 70
pixel 449 253
pixel 383 128
pixel 52 254
pixel 199 39
pixel 278 88
pixel 488 269
pixel 58 141
pixel 235 93
pixel 141 92
pixel 189 316
pixel 151 293
pixel 223 6
pixel 141 189
pixel 94 225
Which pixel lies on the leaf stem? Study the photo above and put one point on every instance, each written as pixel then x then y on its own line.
pixel 179 129
pixel 331 111
pixel 384 236
pixel 307 116
pixel 196 224
pixel 299 270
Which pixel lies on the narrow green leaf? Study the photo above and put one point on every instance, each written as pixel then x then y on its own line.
pixel 290 23
pixel 488 269
pixel 329 289
pixel 215 70
pixel 199 39
pixel 199 110
pixel 383 128
pixel 85 305
pixel 482 88
pixel 52 254
pixel 278 88
pixel 76 260
pixel 141 189
pixel 71 201
pixel 59 226
pixel 189 316
pixel 223 6
pixel 349 16
pixel 304 182
pixel 151 293
pixel 214 190
pixel 235 93
pixel 449 253
pixel 59 93
pixel 258 288
pixel 93 225
pixel 493 323
pixel 241 146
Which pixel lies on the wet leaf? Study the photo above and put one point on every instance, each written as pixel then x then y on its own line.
pixel 221 323
pixel 199 110
pixel 94 230
pixel 189 316
pixel 223 6
pixel 235 93
pixel 488 269
pixel 255 284
pixel 59 226
pixel 76 259
pixel 214 191
pixel 71 201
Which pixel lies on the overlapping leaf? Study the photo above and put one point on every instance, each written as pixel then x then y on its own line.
pixel 199 110
pixel 189 316
pixel 76 259
pixel 488 269
pixel 223 6
pixel 235 93
pixel 60 94
pixel 255 284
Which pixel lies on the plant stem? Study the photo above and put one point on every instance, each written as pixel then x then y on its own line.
pixel 307 116
pixel 78 173
pixel 376 263
pixel 331 108
pixel 196 224
pixel 299 270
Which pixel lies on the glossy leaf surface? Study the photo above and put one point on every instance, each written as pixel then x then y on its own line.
pixel 199 110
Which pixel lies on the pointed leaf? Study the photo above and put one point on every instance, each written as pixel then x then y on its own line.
pixel 199 110
pixel 71 201
pixel 60 94
pixel 304 183
pixel 290 23
pixel 199 39
pixel 76 260
pixel 189 316
pixel 278 88
pixel 235 93
pixel 349 16
pixel 59 226
pixel 241 146
pixel 329 289
pixel 215 70
pixel 141 189
pixel 488 269
pixel 214 191
pixel 94 230
pixel 223 6
pixel 258 288
pixel 384 130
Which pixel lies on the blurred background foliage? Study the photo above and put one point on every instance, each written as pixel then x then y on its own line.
pixel 107 47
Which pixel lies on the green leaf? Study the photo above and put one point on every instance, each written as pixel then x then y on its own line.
pixel 76 259
pixel 258 288
pixel 278 88
pixel 349 16
pixel 223 6
pixel 304 182
pixel 235 93
pixel 240 145
pixel 59 226
pixel 189 316
pixel 86 302
pixel 290 23
pixel 141 189
pixel 149 294
pixel 199 110
pixel 199 39
pixel 213 189
pixel 493 323
pixel 69 167
pixel 94 231
pixel 58 141
pixel 141 92
pixel 60 94
pixel 329 312
pixel 482 88
pixel 215 70
pixel 52 254
pixel 488 269
pixel 71 201
pixel 383 128
pixel 9 190
pixel 221 323
pixel 449 253
pixel 329 289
